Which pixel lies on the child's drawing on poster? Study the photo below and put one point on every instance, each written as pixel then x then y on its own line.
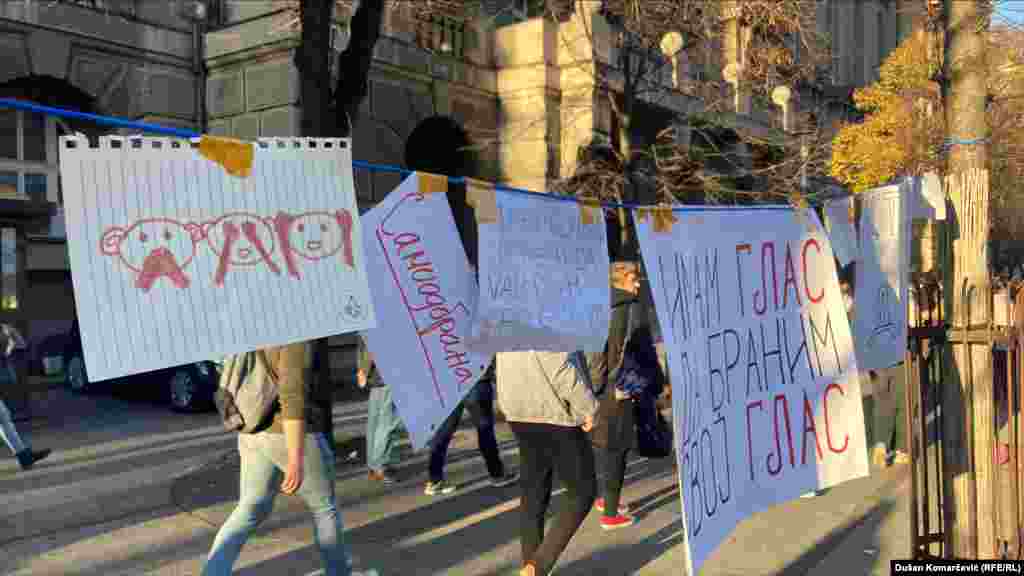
pixel 176 257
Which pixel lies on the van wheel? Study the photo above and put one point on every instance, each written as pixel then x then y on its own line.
pixel 77 378
pixel 184 391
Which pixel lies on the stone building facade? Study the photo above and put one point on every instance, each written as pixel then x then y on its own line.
pixel 527 90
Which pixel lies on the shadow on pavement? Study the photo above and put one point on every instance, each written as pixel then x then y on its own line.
pixel 446 533
pixel 871 520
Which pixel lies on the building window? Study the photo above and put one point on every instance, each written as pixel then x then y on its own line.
pixel 9 268
pixel 28 156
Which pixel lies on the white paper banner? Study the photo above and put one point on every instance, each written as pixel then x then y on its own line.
pixel 543 278
pixel 880 285
pixel 842 232
pixel 173 260
pixel 766 401
pixel 424 293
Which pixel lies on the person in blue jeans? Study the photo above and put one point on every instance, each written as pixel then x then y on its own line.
pixel 382 423
pixel 291 455
pixel 480 403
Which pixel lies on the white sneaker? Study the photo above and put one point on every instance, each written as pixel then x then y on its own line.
pixel 435 488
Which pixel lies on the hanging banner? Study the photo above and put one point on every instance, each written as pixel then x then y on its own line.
pixel 185 251
pixel 765 397
pixel 881 283
pixel 842 230
pixel 543 276
pixel 424 293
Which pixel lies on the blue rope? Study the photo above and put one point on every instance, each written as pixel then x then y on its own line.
pixel 183 133
pixel 949 143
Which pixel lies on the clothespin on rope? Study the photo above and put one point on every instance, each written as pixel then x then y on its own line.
pixel 480 195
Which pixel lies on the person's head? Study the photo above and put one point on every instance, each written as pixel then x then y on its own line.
pixel 625 275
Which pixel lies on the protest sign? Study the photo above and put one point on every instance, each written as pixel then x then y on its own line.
pixel 424 293
pixel 881 283
pixel 765 397
pixel 543 277
pixel 175 260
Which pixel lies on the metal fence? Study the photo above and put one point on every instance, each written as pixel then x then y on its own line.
pixel 931 340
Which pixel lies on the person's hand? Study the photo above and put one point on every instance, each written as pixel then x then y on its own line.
pixel 621 395
pixel 361 378
pixel 293 476
pixel 588 424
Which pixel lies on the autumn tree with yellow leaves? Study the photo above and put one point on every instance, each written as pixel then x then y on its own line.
pixel 902 131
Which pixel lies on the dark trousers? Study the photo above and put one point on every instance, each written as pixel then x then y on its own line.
pixel 480 403
pixel 545 449
pixel 614 477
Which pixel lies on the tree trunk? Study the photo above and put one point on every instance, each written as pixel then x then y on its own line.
pixel 968 410
pixel 312 59
pixel 321 116
pixel 354 64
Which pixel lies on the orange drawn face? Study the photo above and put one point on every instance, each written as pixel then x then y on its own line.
pixel 315 235
pixel 244 249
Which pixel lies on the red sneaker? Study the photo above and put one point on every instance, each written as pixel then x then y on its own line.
pixel 599 506
pixel 613 522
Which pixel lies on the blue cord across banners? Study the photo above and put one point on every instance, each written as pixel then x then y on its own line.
pixel 147 127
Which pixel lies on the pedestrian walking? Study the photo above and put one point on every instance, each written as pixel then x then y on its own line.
pixel 480 403
pixel 382 423
pixel 614 432
pixel 549 404
pixel 10 342
pixel 291 455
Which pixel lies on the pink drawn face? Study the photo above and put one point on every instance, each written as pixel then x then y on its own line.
pixel 248 238
pixel 167 239
pixel 315 235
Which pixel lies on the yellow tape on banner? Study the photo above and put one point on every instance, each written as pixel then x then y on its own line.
pixel 800 207
pixel 234 155
pixel 588 208
pixel 663 219
pixel 480 195
pixel 432 183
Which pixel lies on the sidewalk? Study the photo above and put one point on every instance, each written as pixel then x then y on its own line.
pixel 854 529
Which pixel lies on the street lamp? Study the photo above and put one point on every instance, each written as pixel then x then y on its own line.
pixel 671 44
pixel 197 12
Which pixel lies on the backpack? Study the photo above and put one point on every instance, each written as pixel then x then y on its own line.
pixel 632 376
pixel 246 395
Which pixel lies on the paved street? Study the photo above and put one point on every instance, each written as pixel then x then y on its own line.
pixel 135 489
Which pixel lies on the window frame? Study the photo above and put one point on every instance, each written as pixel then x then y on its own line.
pixel 49 167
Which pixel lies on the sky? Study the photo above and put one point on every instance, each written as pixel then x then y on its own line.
pixel 1009 11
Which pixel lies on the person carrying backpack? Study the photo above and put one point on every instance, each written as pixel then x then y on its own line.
pixel 268 397
pixel 617 385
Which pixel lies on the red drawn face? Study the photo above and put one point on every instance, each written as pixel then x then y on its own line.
pixel 244 251
pixel 150 236
pixel 315 235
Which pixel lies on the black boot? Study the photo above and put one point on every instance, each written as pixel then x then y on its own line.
pixel 29 457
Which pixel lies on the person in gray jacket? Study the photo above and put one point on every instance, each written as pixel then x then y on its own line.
pixel 549 404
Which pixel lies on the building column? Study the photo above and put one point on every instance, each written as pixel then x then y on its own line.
pixel 872 39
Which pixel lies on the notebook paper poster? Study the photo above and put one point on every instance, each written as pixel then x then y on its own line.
pixel 424 293
pixel 175 260
pixel 880 287
pixel 766 402
pixel 543 277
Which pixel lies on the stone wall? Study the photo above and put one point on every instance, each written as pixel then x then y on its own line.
pixel 133 69
pixel 253 91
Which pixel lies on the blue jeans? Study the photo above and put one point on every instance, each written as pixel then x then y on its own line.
pixel 480 403
pixel 382 425
pixel 264 458
pixel 7 431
